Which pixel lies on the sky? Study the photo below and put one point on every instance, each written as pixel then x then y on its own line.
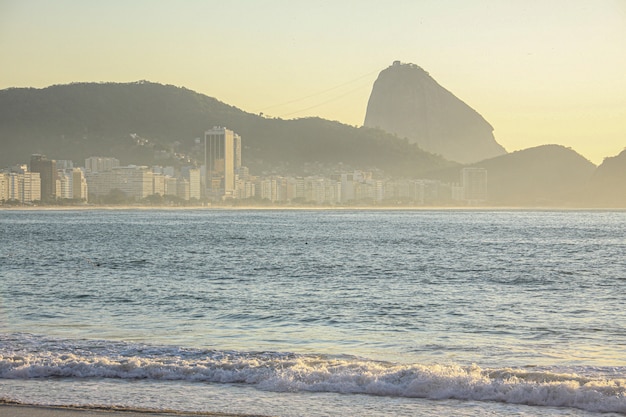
pixel 539 71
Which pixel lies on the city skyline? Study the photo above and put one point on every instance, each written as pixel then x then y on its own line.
pixel 47 181
pixel 539 72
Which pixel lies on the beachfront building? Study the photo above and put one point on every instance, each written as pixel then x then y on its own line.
pixel 474 183
pixel 48 175
pixel 183 190
pixel 4 186
pixel 136 182
pixel 194 182
pixel 21 186
pixel 72 184
pixel 222 155
pixel 100 164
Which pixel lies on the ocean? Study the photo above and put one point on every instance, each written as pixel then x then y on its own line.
pixel 316 312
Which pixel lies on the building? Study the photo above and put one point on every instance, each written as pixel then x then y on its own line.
pixel 64 164
pixel 159 182
pixel 100 164
pixel 237 151
pixel 171 186
pixel 194 182
pixel 4 186
pixel 22 186
pixel 72 184
pixel 64 184
pixel 474 183
pixel 182 189
pixel 222 155
pixel 80 191
pixel 48 175
pixel 136 182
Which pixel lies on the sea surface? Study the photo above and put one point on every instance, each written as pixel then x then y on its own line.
pixel 316 313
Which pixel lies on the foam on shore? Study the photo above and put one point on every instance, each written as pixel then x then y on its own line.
pixel 598 390
pixel 16 409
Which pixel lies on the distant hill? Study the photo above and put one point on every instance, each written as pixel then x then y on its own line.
pixel 548 175
pixel 407 101
pixel 607 187
pixel 148 123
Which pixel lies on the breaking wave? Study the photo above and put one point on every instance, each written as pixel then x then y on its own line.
pixel 591 389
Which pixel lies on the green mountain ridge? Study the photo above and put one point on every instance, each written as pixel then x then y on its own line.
pixel 79 120
pixel 147 123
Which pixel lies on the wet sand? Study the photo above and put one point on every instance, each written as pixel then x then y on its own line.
pixel 18 410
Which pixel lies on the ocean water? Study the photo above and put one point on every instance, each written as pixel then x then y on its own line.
pixel 316 313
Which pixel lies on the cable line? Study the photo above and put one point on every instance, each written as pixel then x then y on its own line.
pixel 320 92
pixel 324 102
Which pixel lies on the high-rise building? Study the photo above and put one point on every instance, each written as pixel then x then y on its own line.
pixel 64 189
pixel 195 187
pixel 237 150
pixel 47 173
pixel 4 186
pixel 79 185
pixel 192 175
pixel 15 185
pixel 22 186
pixel 222 155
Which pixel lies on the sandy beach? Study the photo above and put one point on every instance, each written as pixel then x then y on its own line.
pixel 20 410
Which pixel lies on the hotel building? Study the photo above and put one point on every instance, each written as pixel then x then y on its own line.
pixel 222 156
pixel 47 173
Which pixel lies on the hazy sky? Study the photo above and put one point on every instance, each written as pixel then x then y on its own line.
pixel 540 71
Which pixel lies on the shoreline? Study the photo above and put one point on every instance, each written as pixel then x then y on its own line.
pixel 16 409
pixel 306 208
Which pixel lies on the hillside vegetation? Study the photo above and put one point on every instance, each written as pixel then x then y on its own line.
pixel 144 123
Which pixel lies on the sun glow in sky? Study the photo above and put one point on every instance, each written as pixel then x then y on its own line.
pixel 540 71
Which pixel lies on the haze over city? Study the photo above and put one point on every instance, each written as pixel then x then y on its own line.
pixel 322 208
pixel 539 72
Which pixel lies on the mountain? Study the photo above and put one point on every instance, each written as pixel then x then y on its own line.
pixel 408 102
pixel 607 187
pixel 547 175
pixel 148 123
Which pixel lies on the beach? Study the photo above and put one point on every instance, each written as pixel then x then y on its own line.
pixel 22 410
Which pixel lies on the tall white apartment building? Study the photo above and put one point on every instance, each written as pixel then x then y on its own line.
pixel 4 186
pixel 193 176
pixel 64 184
pixel 158 184
pixel 24 187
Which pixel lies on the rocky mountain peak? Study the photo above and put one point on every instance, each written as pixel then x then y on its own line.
pixel 408 102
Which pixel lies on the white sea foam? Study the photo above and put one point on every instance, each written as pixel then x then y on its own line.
pixel 32 358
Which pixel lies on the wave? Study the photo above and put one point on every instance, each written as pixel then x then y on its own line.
pixel 597 389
